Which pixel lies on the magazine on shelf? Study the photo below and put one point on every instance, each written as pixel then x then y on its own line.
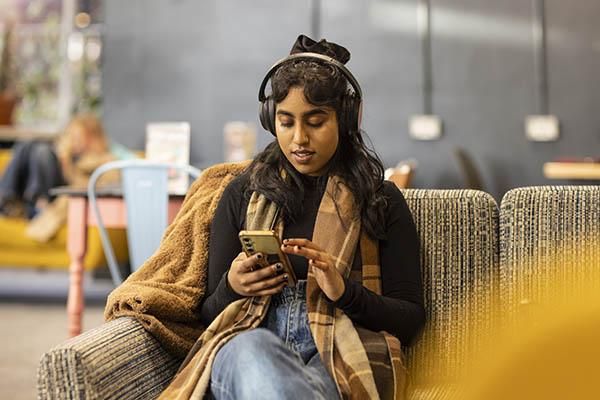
pixel 239 141
pixel 170 142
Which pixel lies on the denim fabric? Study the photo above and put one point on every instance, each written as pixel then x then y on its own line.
pixel 278 360
pixel 33 170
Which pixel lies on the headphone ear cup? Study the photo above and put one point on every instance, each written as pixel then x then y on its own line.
pixel 267 115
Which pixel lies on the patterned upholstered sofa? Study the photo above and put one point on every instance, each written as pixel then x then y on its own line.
pixel 471 253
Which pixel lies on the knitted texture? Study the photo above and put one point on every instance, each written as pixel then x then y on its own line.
pixel 549 243
pixel 458 230
pixel 118 360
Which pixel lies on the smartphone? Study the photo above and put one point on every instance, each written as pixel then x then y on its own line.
pixel 267 243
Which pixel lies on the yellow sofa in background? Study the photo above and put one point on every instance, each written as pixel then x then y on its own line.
pixel 17 250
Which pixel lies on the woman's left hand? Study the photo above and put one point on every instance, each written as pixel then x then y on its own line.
pixel 323 266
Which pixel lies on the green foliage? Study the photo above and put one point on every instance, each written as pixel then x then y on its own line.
pixel 33 63
pixel 6 58
pixel 39 59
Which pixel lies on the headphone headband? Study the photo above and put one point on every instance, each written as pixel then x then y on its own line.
pixel 309 56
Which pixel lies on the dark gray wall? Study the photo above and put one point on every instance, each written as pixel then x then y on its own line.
pixel 186 60
pixel 203 61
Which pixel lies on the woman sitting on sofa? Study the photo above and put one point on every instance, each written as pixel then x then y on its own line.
pixel 38 166
pixel 352 244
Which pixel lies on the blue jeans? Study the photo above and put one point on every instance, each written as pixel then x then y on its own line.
pixel 278 360
pixel 33 170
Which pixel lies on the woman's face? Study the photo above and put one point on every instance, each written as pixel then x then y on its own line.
pixel 80 141
pixel 83 140
pixel 308 135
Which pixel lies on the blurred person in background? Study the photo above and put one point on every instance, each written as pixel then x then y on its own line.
pixel 37 166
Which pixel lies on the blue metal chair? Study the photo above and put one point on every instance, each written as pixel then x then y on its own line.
pixel 146 195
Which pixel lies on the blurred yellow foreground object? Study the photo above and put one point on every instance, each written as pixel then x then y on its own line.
pixel 553 354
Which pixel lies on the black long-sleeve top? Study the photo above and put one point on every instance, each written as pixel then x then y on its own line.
pixel 399 310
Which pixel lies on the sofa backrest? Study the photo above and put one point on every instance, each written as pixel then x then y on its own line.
pixel 549 235
pixel 459 258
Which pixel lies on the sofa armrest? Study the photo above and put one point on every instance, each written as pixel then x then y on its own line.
pixel 118 360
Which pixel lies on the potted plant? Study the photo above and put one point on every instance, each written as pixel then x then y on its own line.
pixel 8 98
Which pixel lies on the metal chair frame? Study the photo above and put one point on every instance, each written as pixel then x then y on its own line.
pixel 151 177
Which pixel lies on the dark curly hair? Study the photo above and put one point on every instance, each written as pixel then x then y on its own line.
pixel 354 162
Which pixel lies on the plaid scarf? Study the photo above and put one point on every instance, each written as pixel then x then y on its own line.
pixel 363 363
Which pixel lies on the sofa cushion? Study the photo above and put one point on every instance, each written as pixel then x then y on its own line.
pixel 549 235
pixel 459 258
pixel 18 250
pixel 5 156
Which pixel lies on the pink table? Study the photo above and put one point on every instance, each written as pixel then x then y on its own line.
pixel 80 216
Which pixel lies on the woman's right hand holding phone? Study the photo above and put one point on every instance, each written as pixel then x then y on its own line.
pixel 247 277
